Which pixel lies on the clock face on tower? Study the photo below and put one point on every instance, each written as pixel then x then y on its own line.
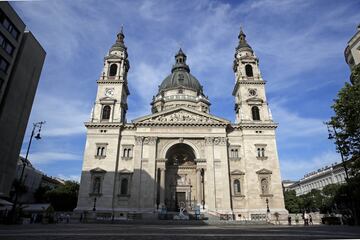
pixel 109 92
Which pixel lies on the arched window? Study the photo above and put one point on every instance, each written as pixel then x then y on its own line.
pixel 264 186
pixel 259 152
pixel 106 112
pixel 263 152
pixel 103 151
pixel 249 70
pixel 255 113
pixel 124 186
pixel 237 188
pixel 113 70
pixel 96 185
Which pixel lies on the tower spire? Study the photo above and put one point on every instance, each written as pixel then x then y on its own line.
pixel 243 45
pixel 119 44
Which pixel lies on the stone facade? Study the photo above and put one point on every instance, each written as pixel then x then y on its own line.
pixel 180 155
pixel 352 50
pixel 334 174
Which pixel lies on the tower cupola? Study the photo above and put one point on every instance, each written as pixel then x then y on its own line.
pixel 243 45
pixel 119 44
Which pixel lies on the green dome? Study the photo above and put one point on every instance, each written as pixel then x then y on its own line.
pixel 180 76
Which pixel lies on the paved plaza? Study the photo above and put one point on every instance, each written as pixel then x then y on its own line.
pixel 174 232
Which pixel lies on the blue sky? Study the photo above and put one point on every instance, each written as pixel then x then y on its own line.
pixel 300 45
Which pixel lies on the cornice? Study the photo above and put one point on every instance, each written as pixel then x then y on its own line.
pixel 247 82
pixel 272 125
pixel 101 81
pixel 180 124
pixel 103 125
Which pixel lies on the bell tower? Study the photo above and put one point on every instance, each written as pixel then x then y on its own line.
pixel 249 91
pixel 111 98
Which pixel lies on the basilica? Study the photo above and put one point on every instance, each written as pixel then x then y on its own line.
pixel 181 155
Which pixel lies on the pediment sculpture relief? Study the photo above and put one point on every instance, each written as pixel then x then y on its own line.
pixel 182 117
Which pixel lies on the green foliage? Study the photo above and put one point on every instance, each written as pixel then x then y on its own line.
pixel 346 132
pixel 64 198
pixel 292 202
pixel 347 121
pixel 312 201
pixel 329 193
pixel 40 194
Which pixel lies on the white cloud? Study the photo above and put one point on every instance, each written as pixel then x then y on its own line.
pixel 293 125
pixel 295 168
pixel 63 116
pixel 44 157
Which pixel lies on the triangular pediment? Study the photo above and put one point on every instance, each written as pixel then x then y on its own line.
pixel 97 170
pixel 237 172
pixel 181 115
pixel 264 171
pixel 125 171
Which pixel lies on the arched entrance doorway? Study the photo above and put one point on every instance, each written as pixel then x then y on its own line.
pixel 180 180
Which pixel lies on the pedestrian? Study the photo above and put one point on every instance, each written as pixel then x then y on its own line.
pixel 289 220
pixel 306 219
pixel 67 218
pixel 310 220
pixel 296 219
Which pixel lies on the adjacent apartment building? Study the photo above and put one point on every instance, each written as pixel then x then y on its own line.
pixel 21 61
pixel 334 174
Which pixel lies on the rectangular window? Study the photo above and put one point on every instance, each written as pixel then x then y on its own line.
pixel 3 65
pixel 101 150
pixel 234 152
pixel 6 45
pixel 261 151
pixel 127 152
pixel 8 25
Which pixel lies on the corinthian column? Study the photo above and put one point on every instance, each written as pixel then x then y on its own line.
pixel 162 187
pixel 198 186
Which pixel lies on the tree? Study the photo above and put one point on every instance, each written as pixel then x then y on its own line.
pixel 329 193
pixel 64 198
pixel 347 121
pixel 346 130
pixel 292 203
pixel 40 194
pixel 312 201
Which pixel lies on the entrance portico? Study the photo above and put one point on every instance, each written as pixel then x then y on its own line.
pixel 181 178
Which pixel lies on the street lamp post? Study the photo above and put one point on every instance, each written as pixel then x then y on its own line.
pixel 94 208
pixel 38 126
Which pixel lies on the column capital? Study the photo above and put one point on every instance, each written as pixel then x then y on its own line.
pixel 220 140
pixel 139 140
pixel 150 140
pixel 209 141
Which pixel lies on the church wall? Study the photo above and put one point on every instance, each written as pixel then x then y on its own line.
pixel 91 161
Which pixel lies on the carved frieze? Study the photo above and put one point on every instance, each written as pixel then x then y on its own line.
pixel 182 117
pixel 215 140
